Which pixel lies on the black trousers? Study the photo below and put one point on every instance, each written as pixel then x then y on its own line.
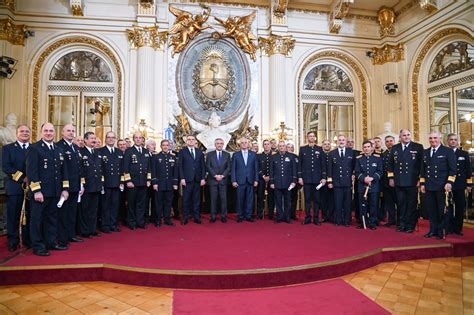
pixel 89 210
pixel 43 223
pixel 67 215
pixel 283 202
pixel 327 203
pixel 389 205
pixel 14 205
pixel 294 201
pixel 163 199
pixel 342 204
pixel 368 208
pixel 407 199
pixel 261 188
pixel 137 206
pixel 435 202
pixel 218 193
pixel 311 200
pixel 110 208
pixel 456 213
pixel 192 200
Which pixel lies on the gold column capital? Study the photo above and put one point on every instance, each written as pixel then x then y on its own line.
pixel 388 53
pixel 12 33
pixel 386 18
pixel 276 44
pixel 77 7
pixel 146 37
pixel 8 3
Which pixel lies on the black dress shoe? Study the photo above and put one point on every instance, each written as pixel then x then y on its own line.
pixel 288 221
pixel 12 247
pixel 185 221
pixel 401 229
pixel 360 226
pixel 58 247
pixel 76 240
pixel 440 237
pixel 97 234
pixel 224 220
pixel 278 221
pixel 347 225
pixel 86 236
pixel 169 223
pixel 143 227
pixel 116 229
pixel 157 225
pixel 460 233
pixel 306 221
pixel 317 223
pixel 106 231
pixel 260 217
pixel 197 221
pixel 42 252
pixel 388 224
pixel 409 231
pixel 428 235
pixel 250 220
pixel 240 220
pixel 373 227
pixel 212 220
pixel 133 228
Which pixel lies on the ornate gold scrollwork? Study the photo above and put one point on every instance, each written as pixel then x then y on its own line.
pixel 386 17
pixel 186 27
pixel 340 11
pixel 244 130
pixel 239 28
pixel 12 33
pixel 388 53
pixel 276 44
pixel 8 3
pixel 280 8
pixel 146 37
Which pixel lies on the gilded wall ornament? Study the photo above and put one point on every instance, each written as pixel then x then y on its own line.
pixel 81 66
pixel 388 53
pixel 146 37
pixel 327 77
pixel 8 3
pixel 276 44
pixel 280 8
pixel 186 27
pixel 429 5
pixel 239 28
pixel 453 58
pixel 416 72
pixel 337 15
pixel 15 34
pixel 243 131
pixel 77 7
pixel 386 17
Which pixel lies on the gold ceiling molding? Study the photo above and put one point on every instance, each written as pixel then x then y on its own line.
pixel 348 60
pixel 388 53
pixel 416 72
pixel 276 44
pixel 47 53
pixel 77 7
pixel 146 37
pixel 8 3
pixel 280 8
pixel 406 7
pixel 337 15
pixel 15 34
pixel 386 18
pixel 429 5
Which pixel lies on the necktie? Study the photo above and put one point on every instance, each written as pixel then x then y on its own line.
pixel 404 147
pixel 192 154
pixel 218 157
pixel 23 146
pixel 92 150
pixel 51 147
pixel 342 153
pixel 72 148
pixel 140 150
pixel 112 150
pixel 245 157
pixel 433 152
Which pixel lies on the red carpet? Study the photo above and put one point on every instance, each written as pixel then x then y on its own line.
pixel 327 297
pixel 230 256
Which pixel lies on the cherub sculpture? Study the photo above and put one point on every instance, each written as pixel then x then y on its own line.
pixel 186 27
pixel 239 28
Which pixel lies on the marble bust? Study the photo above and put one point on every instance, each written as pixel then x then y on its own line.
pixel 387 126
pixel 213 131
pixel 8 132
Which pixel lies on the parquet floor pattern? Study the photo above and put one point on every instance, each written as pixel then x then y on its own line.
pixel 441 286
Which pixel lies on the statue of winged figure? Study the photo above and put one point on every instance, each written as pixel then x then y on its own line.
pixel 186 27
pixel 239 28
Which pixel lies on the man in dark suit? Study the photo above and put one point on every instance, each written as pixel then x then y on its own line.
pixel 13 164
pixel 137 175
pixel 463 182
pixel 46 170
pixel 263 189
pixel 244 177
pixel 389 194
pixel 355 201
pixel 290 149
pixel 368 172
pixel 326 194
pixel 340 176
pixel 403 173
pixel 312 173
pixel 93 181
pixel 438 173
pixel 67 216
pixel 218 169
pixel 112 167
pixel 283 180
pixel 192 173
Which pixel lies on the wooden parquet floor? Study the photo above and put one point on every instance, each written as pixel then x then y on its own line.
pixel 440 286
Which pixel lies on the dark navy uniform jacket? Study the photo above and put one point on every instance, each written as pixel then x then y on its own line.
pixel 46 170
pixel 13 164
pixel 312 164
pixel 264 164
pixel 463 170
pixel 72 160
pixel 282 170
pixel 164 170
pixel 386 160
pixel 405 165
pixel 112 166
pixel 439 169
pixel 340 170
pixel 91 171
pixel 136 166
pixel 372 166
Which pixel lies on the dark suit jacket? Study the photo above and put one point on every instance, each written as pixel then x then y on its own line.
pixel 191 169
pixel 13 164
pixel 213 168
pixel 464 171
pixel 244 174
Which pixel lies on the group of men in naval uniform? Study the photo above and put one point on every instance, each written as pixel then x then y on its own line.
pixel 67 184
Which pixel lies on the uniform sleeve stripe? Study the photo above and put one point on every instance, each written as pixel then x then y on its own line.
pixel 17 175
